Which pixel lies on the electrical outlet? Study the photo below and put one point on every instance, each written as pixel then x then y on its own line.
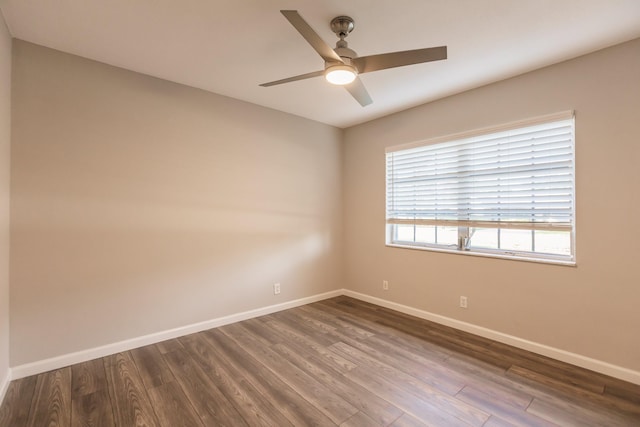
pixel 276 288
pixel 385 285
pixel 463 302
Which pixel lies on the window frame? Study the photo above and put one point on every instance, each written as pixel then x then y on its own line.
pixel 392 240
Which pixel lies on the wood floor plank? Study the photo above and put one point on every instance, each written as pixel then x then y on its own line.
pixel 570 377
pixel 292 405
pixel 407 420
pixel 413 345
pixel 375 408
pixel 268 335
pixel 376 315
pixel 363 320
pixel 334 362
pixel 210 403
pixel 423 369
pixel 564 372
pixel 152 367
pixel 497 384
pixel 471 356
pixel 87 378
pixel 441 400
pixel 255 409
pixel 509 395
pixel 312 390
pixel 172 406
pixel 296 323
pixel 503 410
pixel 482 375
pixel 92 410
pixel 299 339
pixel 372 323
pixel 169 345
pixel 129 398
pixel 396 394
pixel 115 359
pixel 360 419
pixel 573 375
pixel 14 411
pixel 459 345
pixel 583 417
pixel 494 421
pixel 314 322
pixel 606 401
pixel 51 404
pixel 334 320
pixel 450 338
pixel 622 389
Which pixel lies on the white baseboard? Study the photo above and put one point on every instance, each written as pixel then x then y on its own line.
pixel 4 384
pixel 41 366
pixel 58 362
pixel 552 352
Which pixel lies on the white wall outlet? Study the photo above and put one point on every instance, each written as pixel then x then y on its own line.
pixel 276 288
pixel 385 285
pixel 463 302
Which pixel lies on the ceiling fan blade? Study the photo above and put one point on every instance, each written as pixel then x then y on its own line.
pixel 294 78
pixel 359 92
pixel 366 64
pixel 323 49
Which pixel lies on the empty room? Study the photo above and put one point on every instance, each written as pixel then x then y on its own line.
pixel 328 213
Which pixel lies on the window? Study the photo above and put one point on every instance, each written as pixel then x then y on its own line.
pixel 506 191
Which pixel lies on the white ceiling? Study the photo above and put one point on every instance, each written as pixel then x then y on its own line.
pixel 230 46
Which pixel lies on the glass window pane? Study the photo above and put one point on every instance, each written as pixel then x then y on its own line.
pixel 484 238
pixel 404 233
pixel 447 235
pixel 516 240
pixel 553 242
pixel 426 234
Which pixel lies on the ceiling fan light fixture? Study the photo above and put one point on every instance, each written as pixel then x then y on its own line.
pixel 341 74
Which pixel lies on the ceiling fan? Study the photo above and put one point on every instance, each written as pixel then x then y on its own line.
pixel 342 65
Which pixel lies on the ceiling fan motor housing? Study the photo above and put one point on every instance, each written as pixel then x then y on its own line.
pixel 343 51
pixel 342 26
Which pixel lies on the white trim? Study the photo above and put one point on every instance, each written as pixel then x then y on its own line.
pixel 545 350
pixel 563 115
pixel 61 361
pixel 41 366
pixel 495 255
pixel 4 385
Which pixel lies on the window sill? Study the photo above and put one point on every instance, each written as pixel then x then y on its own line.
pixel 486 255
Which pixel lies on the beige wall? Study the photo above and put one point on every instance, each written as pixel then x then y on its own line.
pixel 140 205
pixel 5 135
pixel 591 309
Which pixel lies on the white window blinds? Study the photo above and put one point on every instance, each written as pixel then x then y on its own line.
pixel 518 177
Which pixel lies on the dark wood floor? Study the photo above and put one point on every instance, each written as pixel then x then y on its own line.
pixel 336 362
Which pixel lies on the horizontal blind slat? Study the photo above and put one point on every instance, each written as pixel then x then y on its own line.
pixel 520 175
